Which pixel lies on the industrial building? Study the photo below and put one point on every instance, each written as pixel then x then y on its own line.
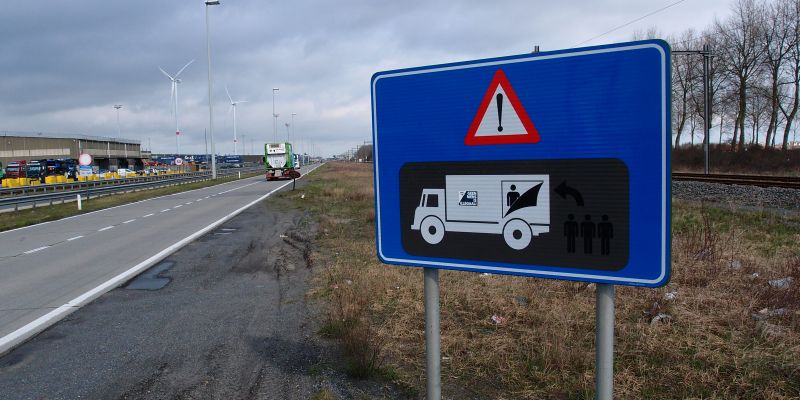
pixel 107 153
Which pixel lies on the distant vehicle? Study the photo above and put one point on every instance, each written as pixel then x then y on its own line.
pixel 36 170
pixel 279 161
pixel 17 169
pixel 123 172
pixel 514 206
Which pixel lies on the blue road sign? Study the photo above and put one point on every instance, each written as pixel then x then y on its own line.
pixel 552 165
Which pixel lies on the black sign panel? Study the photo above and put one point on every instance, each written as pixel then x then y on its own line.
pixel 565 213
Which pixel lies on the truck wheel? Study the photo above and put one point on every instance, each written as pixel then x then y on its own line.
pixel 432 230
pixel 517 234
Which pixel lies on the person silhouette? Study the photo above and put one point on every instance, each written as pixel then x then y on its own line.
pixel 512 196
pixel 605 231
pixel 588 232
pixel 570 231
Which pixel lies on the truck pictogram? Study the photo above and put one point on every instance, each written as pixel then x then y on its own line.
pixel 515 206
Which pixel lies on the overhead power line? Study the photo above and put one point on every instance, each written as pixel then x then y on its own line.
pixel 632 22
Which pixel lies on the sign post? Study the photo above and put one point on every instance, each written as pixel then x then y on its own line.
pixel 433 357
pixel 604 339
pixel 549 165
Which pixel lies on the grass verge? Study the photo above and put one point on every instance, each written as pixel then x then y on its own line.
pixel 719 329
pixel 32 216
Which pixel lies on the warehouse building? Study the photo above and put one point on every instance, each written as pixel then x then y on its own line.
pixel 107 153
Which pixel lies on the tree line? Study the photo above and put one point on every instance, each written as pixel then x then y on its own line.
pixel 754 73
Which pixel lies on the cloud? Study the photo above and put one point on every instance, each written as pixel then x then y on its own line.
pixel 65 64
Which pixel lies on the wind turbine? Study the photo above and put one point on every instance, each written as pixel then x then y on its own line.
pixel 173 98
pixel 233 107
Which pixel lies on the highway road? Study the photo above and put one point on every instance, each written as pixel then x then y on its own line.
pixel 51 269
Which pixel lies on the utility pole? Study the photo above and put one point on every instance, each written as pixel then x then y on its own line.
pixel 707 99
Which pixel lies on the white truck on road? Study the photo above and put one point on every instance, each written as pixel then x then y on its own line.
pixel 516 206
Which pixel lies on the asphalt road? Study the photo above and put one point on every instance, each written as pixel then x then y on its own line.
pixel 51 269
pixel 226 317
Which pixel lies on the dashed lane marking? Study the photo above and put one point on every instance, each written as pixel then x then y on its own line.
pixel 74 238
pixel 148 215
pixel 165 210
pixel 105 229
pixel 37 249
pixel 129 221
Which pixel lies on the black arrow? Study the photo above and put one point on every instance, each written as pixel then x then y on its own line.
pixel 563 190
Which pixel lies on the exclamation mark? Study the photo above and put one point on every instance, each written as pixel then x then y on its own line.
pixel 499 112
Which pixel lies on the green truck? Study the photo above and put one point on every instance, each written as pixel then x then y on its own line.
pixel 280 162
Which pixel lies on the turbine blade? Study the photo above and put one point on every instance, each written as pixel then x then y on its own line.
pixel 184 67
pixel 165 73
pixel 228 93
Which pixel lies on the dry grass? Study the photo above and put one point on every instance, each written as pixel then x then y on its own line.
pixel 711 346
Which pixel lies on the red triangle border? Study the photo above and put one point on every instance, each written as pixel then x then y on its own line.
pixel 532 135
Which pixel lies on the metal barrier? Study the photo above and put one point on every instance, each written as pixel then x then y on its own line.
pixel 22 190
pixel 87 192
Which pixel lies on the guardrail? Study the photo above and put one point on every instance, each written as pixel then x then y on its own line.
pixel 72 185
pixel 88 192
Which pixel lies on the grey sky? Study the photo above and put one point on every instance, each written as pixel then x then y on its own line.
pixel 65 64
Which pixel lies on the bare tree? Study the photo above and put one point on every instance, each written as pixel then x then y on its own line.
pixel 777 37
pixel 791 91
pixel 683 77
pixel 743 51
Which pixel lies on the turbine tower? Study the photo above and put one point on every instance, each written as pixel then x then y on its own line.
pixel 233 107
pixel 173 98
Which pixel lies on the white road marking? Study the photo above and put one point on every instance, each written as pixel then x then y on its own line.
pixel 74 238
pixel 148 215
pixel 22 334
pixel 129 221
pixel 111 208
pixel 178 206
pixel 105 229
pixel 237 188
pixel 200 199
pixel 188 203
pixel 37 249
pixel 165 210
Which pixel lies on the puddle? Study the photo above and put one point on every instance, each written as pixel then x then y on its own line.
pixel 152 279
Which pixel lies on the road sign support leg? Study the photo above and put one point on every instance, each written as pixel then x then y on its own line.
pixel 604 343
pixel 432 337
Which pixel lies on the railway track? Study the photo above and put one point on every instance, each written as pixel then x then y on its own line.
pixel 791 182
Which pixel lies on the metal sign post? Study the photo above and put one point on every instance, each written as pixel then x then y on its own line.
pixel 604 342
pixel 432 335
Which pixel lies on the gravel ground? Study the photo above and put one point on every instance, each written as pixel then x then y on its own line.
pixel 226 317
pixel 738 196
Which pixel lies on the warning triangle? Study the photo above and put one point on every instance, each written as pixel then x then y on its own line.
pixel 501 118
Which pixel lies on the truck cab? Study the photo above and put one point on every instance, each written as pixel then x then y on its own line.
pixel 431 203
pixel 16 169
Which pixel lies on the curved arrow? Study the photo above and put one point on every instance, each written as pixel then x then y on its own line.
pixel 563 190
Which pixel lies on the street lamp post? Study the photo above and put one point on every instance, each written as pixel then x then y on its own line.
pixel 274 116
pixel 293 114
pixel 118 106
pixel 210 106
